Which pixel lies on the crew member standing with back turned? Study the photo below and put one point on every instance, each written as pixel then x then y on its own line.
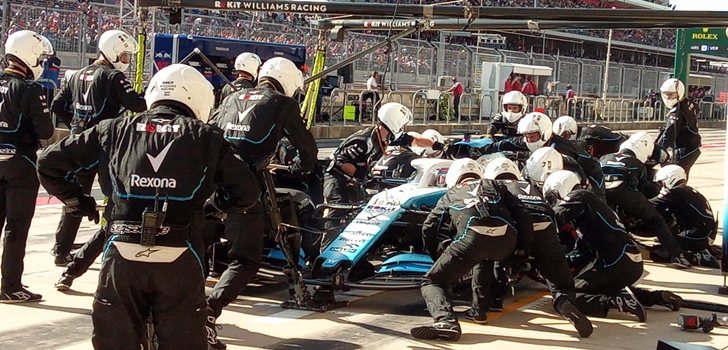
pixel 162 174
pixel 94 93
pixel 24 120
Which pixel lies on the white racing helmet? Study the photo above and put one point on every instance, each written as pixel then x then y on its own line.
pixel 30 48
pixel 641 144
pixel 671 175
pixel 394 116
pixel 500 166
pixel 113 43
pixel 249 63
pixel 566 123
pixel 536 122
pixel 559 184
pixel 183 84
pixel 284 72
pixel 542 163
pixel 514 98
pixel 675 86
pixel 460 168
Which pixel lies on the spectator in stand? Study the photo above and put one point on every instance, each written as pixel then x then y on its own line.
pixel 509 84
pixel 457 91
pixel 530 88
pixel 516 85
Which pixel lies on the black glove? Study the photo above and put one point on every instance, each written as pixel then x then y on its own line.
pixel 295 169
pixel 83 206
pixel 212 212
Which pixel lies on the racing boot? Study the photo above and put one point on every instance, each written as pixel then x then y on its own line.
pixel 568 310
pixel 476 317
pixel 704 258
pixel 64 283
pixel 626 302
pixel 211 328
pixel 680 261
pixel 444 330
pixel 670 300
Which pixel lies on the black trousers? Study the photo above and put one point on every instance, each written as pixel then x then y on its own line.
pixel 68 226
pixel 548 257
pixel 18 192
pixel 634 204
pixel 85 256
pixel 245 233
pixel 364 97
pixel 129 291
pixel 466 251
pixel 595 284
pixel 685 158
pixel 337 190
pixel 456 104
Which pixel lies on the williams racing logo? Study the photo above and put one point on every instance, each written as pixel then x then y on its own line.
pixel 290 6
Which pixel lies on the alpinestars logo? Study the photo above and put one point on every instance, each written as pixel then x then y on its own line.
pixel 152 182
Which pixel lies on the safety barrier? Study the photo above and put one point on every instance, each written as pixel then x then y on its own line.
pixel 482 108
pixel 335 94
pixel 423 98
pixel 470 99
pixel 395 93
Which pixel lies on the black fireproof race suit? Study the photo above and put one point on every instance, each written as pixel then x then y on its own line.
pixel 24 120
pixel 254 122
pixel 548 255
pixel 499 124
pixel 616 261
pixel 680 138
pixel 239 84
pixel 590 165
pixel 490 222
pixel 626 179
pixel 694 221
pixel 159 161
pixel 94 93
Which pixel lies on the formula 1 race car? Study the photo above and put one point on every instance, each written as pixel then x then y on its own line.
pixel 378 249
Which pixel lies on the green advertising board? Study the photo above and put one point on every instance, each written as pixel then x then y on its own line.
pixel 709 41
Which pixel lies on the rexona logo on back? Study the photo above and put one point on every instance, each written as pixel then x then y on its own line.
pixel 155 182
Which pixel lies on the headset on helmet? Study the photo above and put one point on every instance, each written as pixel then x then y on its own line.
pixel 671 175
pixel 113 43
pixel 641 144
pixel 30 48
pixel 542 163
pixel 394 116
pixel 249 63
pixel 284 73
pixel 536 122
pixel 559 184
pixel 566 123
pixel 501 166
pixel 514 98
pixel 675 86
pixel 183 84
pixel 460 168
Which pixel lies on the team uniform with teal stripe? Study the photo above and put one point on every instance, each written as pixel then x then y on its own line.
pixel 94 93
pixel 24 120
pixel 254 120
pixel 159 154
pixel 548 255
pixel 490 223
